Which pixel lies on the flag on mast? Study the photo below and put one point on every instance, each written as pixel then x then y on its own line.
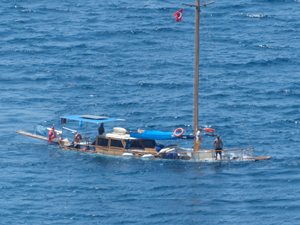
pixel 178 15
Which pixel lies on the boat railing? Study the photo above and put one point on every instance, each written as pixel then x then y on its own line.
pixel 58 132
pixel 238 154
pixel 226 150
pixel 41 130
pixel 71 130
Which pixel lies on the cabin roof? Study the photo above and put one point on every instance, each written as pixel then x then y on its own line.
pixel 119 136
pixel 91 118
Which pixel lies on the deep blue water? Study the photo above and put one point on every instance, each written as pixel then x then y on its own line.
pixel 119 59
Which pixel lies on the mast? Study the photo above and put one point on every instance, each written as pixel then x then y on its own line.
pixel 196 90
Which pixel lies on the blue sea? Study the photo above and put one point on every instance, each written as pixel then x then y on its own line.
pixel 132 60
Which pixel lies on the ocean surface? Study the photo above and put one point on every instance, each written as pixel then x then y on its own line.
pixel 132 60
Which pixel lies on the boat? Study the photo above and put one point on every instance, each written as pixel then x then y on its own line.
pixel 141 143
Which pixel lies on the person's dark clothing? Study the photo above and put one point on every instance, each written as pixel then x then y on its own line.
pixel 101 130
pixel 218 152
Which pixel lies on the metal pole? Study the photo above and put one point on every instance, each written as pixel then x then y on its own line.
pixel 86 125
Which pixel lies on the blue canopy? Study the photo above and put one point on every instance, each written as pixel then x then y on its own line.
pixel 154 135
pixel 91 119
pixel 158 135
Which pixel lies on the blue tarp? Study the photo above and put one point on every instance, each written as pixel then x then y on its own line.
pixel 159 135
pixel 154 135
pixel 98 121
pixel 41 130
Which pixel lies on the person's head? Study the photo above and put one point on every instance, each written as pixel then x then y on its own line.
pixel 200 129
pixel 101 124
pixel 218 136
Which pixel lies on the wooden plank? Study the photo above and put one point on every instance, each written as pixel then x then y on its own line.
pixel 263 158
pixel 36 136
pixel 115 151
pixel 189 5
pixel 198 5
pixel 207 4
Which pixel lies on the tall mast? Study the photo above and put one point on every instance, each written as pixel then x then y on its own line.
pixel 196 91
pixel 197 28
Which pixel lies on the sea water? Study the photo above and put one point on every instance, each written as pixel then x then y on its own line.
pixel 131 60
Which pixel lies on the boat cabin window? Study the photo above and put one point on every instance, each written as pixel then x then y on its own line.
pixel 102 141
pixel 136 144
pixel 149 144
pixel 116 143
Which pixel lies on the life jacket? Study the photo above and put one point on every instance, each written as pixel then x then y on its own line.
pixel 52 134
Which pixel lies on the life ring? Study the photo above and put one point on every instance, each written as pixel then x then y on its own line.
pixel 181 133
pixel 78 137
pixel 209 130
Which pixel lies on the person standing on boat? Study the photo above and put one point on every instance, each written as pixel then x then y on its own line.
pixel 218 144
pixel 101 129
pixel 199 138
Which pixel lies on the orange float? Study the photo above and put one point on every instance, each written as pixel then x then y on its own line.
pixel 181 133
pixel 209 130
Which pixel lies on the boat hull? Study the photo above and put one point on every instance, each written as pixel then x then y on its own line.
pixel 201 156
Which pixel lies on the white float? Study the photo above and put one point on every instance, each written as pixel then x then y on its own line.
pixel 120 130
pixel 147 156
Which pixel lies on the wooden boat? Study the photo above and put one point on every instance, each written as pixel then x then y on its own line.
pixel 125 143
pixel 120 142
pixel 143 144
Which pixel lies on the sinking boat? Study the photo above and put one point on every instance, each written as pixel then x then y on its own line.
pixel 140 143
pixel 121 142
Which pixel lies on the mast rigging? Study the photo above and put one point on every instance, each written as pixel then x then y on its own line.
pixel 196 90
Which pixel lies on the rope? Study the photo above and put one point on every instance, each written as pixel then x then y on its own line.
pixel 205 120
pixel 176 89
pixel 147 3
pixel 224 76
pixel 147 108
pixel 130 109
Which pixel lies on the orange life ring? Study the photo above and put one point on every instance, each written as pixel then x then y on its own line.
pixel 181 133
pixel 78 137
pixel 209 130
